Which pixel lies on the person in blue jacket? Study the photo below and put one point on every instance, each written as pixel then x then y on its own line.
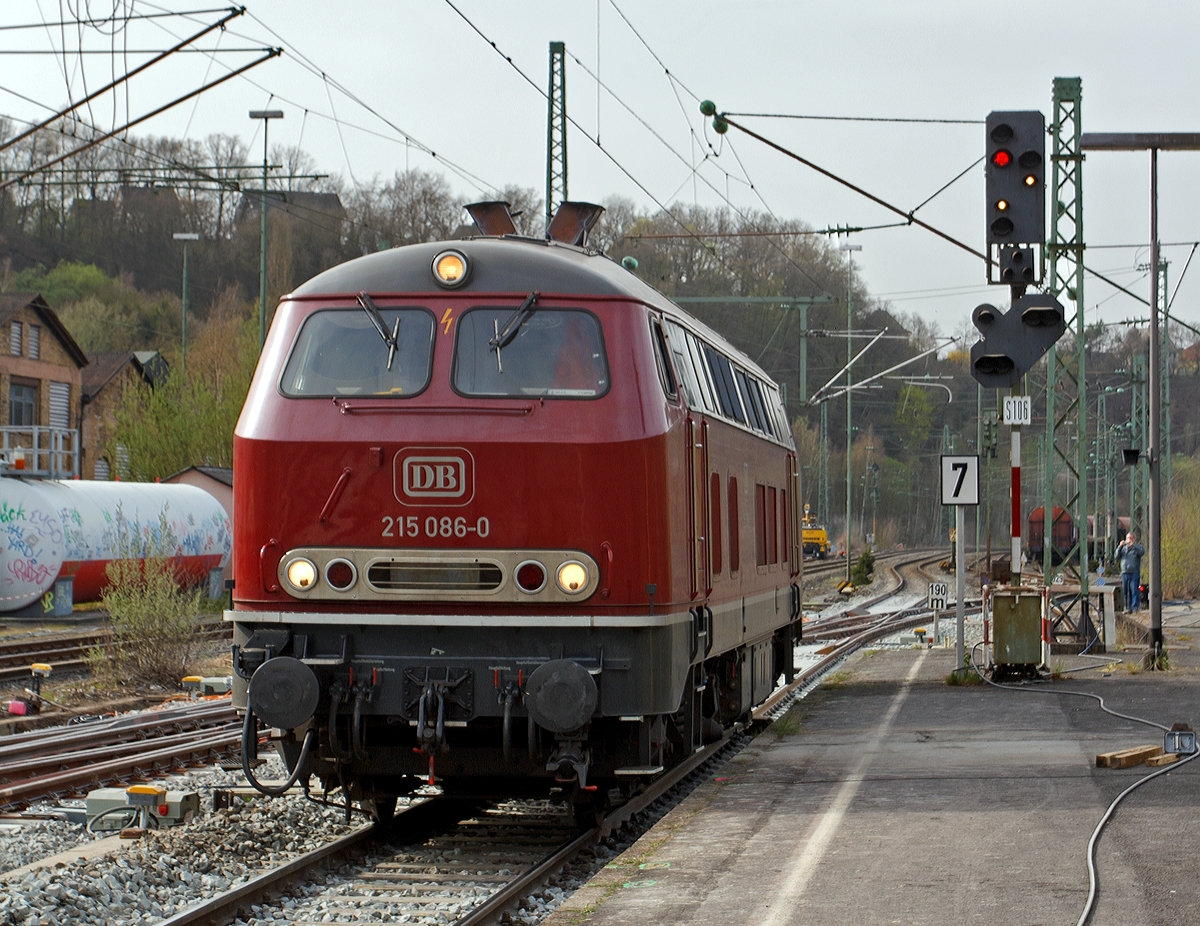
pixel 1129 557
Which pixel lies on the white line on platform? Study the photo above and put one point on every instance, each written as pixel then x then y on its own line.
pixel 805 864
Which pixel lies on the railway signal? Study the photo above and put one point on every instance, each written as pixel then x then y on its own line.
pixel 1016 195
pixel 1015 340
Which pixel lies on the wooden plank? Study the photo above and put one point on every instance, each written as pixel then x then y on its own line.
pixel 1165 759
pixel 1127 758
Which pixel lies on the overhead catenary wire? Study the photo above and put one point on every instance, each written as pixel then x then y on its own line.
pixel 608 154
pixel 896 119
pixel 693 167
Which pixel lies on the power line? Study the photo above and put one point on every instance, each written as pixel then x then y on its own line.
pixel 875 199
pixel 896 119
pixel 126 18
pixel 621 167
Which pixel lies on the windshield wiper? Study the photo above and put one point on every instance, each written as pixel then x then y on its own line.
pixel 504 336
pixel 373 313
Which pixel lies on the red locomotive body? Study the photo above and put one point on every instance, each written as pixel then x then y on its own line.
pixel 531 523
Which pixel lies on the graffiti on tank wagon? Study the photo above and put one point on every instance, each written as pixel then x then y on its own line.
pixel 27 570
pixel 34 537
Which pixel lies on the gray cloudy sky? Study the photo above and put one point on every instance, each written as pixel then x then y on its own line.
pixel 424 71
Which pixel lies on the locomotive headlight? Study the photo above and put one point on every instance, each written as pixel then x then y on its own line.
pixel 572 577
pixel 301 574
pixel 450 268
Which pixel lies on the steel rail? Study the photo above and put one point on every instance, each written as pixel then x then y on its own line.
pixel 117 729
pixel 65 652
pixel 76 778
pixel 225 907
pixel 22 768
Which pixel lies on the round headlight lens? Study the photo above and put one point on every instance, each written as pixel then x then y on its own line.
pixel 340 574
pixel 450 268
pixel 572 578
pixel 302 574
pixel 531 576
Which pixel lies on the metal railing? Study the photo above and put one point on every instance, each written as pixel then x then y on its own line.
pixel 46 453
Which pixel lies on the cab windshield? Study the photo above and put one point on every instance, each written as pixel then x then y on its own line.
pixel 555 353
pixel 340 353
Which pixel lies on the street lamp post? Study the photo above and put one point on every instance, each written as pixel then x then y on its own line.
pixel 849 359
pixel 185 237
pixel 266 115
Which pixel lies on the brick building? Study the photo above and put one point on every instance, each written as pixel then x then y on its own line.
pixel 104 381
pixel 41 387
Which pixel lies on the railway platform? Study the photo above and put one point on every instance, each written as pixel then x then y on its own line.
pixel 889 797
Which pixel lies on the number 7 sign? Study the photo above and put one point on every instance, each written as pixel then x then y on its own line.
pixel 960 480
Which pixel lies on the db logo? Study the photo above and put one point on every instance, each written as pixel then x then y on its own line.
pixel 441 476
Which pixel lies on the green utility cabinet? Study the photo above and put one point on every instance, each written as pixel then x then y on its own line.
pixel 1017 627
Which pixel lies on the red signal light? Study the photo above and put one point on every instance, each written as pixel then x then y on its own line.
pixel 1001 158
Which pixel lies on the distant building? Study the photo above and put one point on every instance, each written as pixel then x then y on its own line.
pixel 217 481
pixel 104 381
pixel 41 387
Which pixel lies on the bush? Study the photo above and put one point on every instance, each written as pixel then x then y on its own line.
pixel 156 625
pixel 863 570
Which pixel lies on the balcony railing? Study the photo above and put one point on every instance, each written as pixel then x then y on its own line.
pixel 44 453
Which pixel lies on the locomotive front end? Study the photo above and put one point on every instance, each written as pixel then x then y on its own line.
pixel 450 503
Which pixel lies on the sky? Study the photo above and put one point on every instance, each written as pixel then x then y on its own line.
pixel 370 88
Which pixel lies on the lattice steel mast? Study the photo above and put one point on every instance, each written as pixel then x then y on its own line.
pixel 1066 388
pixel 556 130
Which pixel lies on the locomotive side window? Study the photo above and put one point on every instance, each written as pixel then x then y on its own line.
pixel 764 413
pixel 340 353
pixel 555 353
pixel 722 373
pixel 665 373
pixel 753 410
pixel 692 393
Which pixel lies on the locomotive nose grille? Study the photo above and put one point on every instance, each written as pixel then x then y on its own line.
pixel 434 576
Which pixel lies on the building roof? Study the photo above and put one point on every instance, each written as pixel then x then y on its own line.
pixel 149 365
pixel 222 474
pixel 12 303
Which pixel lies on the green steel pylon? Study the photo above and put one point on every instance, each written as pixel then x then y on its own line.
pixel 556 130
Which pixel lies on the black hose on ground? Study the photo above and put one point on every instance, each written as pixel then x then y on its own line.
pixel 1093 882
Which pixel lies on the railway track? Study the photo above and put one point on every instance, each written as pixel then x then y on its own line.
pixel 67 651
pixel 473 863
pixel 65 761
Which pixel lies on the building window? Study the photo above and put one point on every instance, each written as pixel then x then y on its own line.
pixel 22 405
pixel 102 469
pixel 16 339
pixel 35 340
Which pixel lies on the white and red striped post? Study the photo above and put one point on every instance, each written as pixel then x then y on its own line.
pixel 1015 567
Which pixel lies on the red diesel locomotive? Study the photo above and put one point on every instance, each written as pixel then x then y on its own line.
pixel 507 519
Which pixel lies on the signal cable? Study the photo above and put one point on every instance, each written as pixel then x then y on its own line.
pixel 1093 883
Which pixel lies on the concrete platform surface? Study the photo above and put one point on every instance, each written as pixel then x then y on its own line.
pixel 888 797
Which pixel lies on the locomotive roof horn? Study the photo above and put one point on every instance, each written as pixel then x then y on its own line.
pixel 572 221
pixel 492 218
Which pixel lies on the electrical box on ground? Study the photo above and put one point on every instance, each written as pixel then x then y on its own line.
pixel 182 807
pixel 1017 628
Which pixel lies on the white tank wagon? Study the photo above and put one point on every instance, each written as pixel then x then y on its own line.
pixel 57 529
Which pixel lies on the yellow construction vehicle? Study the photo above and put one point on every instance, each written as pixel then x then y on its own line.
pixel 814 536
